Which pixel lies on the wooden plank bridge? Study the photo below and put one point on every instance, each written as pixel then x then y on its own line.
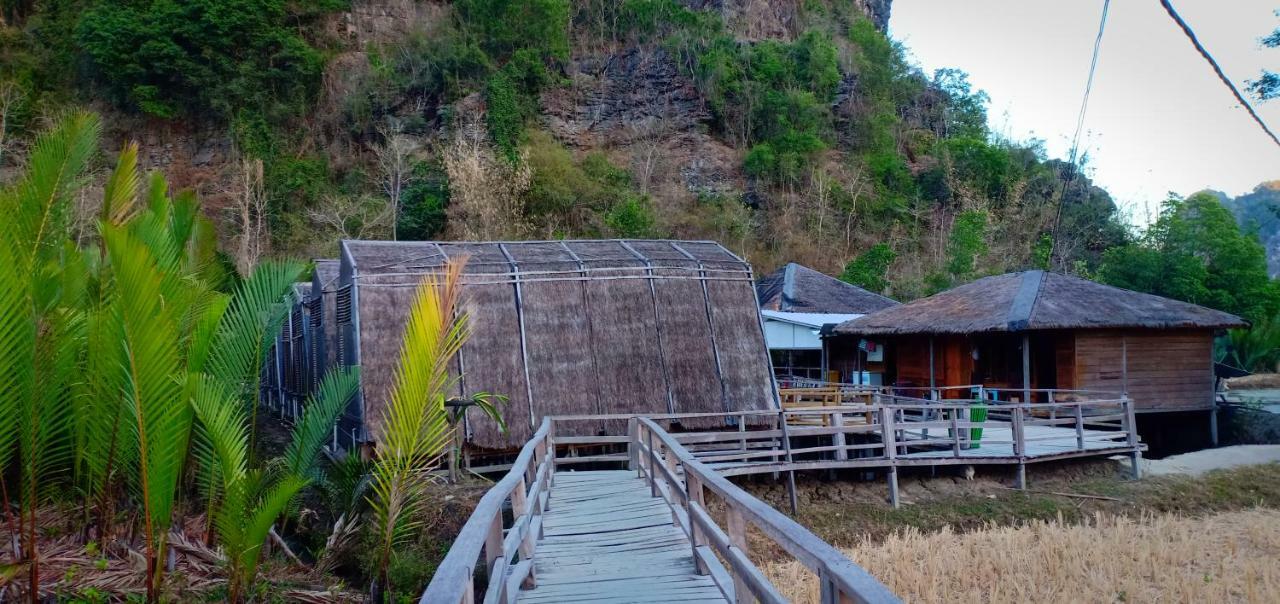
pixel 545 533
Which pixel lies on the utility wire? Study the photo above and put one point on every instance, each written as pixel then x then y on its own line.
pixel 1075 138
pixel 1088 86
pixel 1221 76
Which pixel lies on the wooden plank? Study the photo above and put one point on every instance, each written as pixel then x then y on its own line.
pixel 608 540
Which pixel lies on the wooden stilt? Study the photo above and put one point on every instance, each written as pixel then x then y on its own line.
pixel 1022 476
pixel 1213 425
pixel 893 486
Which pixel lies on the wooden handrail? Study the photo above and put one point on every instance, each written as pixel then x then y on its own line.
pixel 526 485
pixel 842 580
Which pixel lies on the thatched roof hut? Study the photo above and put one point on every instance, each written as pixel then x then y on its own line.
pixel 568 327
pixel 1035 331
pixel 796 288
pixel 1036 300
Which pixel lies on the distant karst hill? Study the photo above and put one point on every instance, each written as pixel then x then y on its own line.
pixel 1261 210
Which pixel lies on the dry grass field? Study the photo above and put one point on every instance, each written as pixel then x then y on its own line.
pixel 1225 557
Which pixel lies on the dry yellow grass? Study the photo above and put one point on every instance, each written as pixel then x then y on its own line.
pixel 1229 557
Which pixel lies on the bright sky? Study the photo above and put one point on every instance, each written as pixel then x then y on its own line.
pixel 1158 119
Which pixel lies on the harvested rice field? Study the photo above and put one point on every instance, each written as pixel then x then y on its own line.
pixel 1224 557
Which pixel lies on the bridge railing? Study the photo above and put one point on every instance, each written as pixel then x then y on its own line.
pixel 507 548
pixel 674 474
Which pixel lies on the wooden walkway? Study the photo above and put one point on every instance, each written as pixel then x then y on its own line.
pixel 606 538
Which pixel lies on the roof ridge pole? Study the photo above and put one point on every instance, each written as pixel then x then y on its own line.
pixel 524 348
pixel 711 325
pixel 657 322
pixel 788 288
pixel 591 331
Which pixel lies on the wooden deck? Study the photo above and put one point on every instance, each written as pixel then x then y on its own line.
pixel 606 538
pixel 1041 441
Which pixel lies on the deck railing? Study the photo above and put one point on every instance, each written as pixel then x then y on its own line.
pixel 892 432
pixel 674 474
pixel 507 548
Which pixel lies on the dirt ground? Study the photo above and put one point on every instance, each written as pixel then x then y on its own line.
pixel 1200 462
pixel 1255 381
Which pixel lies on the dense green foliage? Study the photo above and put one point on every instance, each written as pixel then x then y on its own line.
pixel 869 268
pixel 129 375
pixel 193 57
pixel 1196 252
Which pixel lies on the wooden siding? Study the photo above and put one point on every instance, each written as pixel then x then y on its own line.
pixel 1166 370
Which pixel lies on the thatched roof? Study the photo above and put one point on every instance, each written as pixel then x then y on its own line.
pixel 796 288
pixel 1036 300
pixel 325 276
pixel 574 327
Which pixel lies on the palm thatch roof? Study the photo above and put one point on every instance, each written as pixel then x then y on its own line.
pixel 796 288
pixel 572 327
pixel 1036 300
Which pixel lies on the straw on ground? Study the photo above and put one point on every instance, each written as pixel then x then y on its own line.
pixel 1229 557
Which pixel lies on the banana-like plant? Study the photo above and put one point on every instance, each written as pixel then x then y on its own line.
pixel 414 428
pixel 252 499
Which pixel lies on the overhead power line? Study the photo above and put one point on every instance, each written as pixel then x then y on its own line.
pixel 1221 76
pixel 1088 86
pixel 1075 138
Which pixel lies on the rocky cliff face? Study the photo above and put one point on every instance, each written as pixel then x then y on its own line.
pixel 1260 209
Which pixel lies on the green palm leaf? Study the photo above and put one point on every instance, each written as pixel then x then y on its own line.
pixel 321 412
pixel 153 390
pixel 120 194
pixel 414 431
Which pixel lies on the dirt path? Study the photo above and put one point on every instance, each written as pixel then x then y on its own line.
pixel 1199 462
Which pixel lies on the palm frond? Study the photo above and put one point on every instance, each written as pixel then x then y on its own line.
pixel 250 324
pixel 38 219
pixel 322 409
pixel 152 386
pixel 415 430
pixel 120 194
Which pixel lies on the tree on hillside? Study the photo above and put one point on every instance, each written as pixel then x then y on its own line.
pixel 1196 252
pixel 868 269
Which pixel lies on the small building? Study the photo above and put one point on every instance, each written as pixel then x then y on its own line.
pixel 1038 330
pixel 797 303
pixel 564 327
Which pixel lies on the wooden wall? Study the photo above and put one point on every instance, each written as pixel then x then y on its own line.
pixel 1166 371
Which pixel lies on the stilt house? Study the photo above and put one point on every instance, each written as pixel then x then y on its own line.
pixel 1043 330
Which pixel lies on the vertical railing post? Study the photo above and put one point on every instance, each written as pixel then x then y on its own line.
pixel 551 450
pixel 837 439
pixel 1131 427
pixel 1079 409
pixel 493 549
pixel 955 432
pixel 633 439
pixel 737 529
pixel 890 451
pixel 653 465
pixel 669 460
pixel 1020 444
pixel 694 496
pixel 520 508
